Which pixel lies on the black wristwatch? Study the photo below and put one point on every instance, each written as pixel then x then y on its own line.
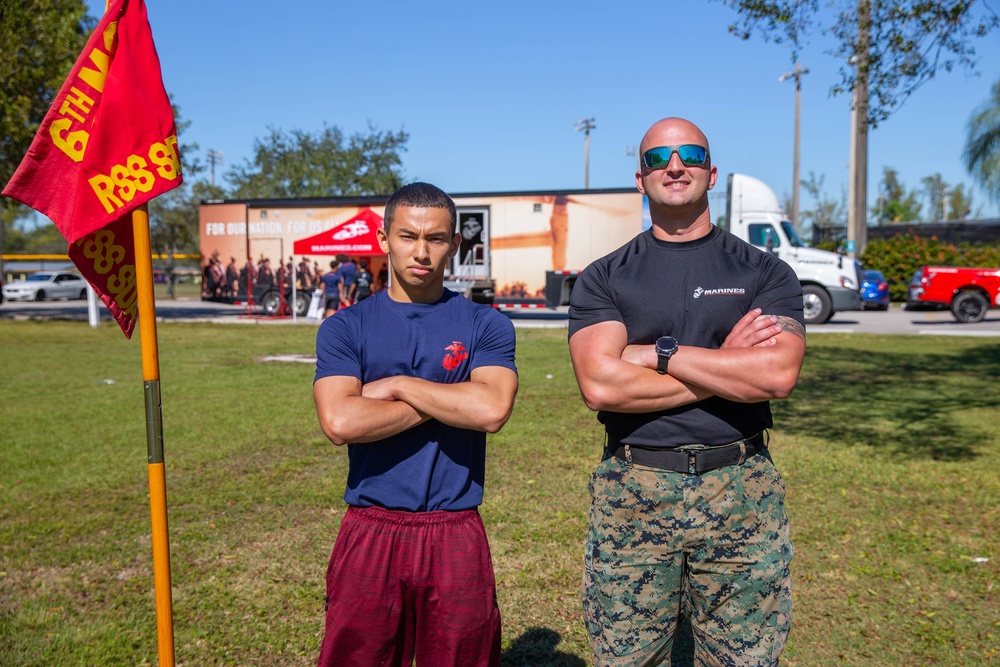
pixel 666 347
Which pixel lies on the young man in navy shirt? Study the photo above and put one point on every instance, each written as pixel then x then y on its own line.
pixel 412 379
pixel 348 271
pixel 332 289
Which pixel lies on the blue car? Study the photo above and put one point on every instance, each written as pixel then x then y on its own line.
pixel 874 291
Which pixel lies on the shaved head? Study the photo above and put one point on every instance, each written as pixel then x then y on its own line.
pixel 672 132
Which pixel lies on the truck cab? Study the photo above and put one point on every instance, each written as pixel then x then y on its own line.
pixel 831 282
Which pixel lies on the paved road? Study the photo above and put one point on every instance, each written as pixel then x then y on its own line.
pixel 895 321
pixel 899 321
pixel 181 309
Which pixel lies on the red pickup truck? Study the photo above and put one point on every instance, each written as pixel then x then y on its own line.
pixel 967 292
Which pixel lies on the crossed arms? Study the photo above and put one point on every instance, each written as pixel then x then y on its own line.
pixel 759 360
pixel 352 412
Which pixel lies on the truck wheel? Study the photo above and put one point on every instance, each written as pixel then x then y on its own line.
pixel 302 303
pixel 969 307
pixel 816 306
pixel 271 302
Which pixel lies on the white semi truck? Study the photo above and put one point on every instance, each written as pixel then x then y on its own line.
pixel 831 282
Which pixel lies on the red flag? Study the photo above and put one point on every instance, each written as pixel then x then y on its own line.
pixel 107 145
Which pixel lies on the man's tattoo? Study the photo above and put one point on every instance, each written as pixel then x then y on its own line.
pixel 792 326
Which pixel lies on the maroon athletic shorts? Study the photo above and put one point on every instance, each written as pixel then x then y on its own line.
pixel 411 584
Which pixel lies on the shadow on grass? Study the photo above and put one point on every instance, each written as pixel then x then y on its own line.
pixel 537 648
pixel 909 405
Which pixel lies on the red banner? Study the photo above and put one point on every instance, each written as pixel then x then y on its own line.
pixel 107 145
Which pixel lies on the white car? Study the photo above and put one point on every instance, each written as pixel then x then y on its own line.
pixel 47 285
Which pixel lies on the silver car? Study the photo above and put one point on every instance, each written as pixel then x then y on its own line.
pixel 47 285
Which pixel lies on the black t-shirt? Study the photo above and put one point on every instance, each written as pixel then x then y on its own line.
pixel 694 291
pixel 364 282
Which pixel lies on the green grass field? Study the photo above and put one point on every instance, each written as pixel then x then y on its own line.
pixel 185 290
pixel 889 448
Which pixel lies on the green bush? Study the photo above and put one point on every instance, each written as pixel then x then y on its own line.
pixel 900 256
pixel 830 245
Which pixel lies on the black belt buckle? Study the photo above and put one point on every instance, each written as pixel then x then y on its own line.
pixel 690 461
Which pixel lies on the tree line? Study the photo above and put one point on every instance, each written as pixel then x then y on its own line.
pixel 894 203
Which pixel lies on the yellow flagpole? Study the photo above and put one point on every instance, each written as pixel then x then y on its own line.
pixel 154 436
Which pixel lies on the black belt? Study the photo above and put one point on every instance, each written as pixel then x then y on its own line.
pixel 694 461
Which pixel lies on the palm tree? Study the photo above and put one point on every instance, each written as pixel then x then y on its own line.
pixel 982 148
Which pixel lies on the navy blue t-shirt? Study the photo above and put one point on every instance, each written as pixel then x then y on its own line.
pixel 696 292
pixel 431 466
pixel 331 283
pixel 347 272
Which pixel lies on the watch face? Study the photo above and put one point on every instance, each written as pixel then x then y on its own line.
pixel 666 345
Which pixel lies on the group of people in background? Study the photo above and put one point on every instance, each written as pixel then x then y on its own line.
pixel 219 282
pixel 346 283
pixel 213 278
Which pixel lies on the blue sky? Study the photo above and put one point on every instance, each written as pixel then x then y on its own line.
pixel 489 92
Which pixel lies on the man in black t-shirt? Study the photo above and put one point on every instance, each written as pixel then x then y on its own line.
pixel 362 282
pixel 679 339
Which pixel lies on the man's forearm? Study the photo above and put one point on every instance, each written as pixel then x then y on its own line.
pixel 352 418
pixel 479 406
pixel 759 360
pixel 745 375
pixel 611 379
pixel 742 374
pixel 612 384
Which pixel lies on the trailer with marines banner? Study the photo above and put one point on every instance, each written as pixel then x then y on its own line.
pixel 516 247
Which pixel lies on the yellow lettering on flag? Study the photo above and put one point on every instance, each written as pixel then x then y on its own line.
pixel 118 187
pixel 104 187
pixel 77 99
pixel 142 178
pixel 124 288
pixel 165 157
pixel 101 60
pixel 73 144
pixel 101 247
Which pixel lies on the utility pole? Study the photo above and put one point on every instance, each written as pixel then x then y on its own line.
pixel 214 158
pixel 586 125
pixel 857 214
pixel 797 75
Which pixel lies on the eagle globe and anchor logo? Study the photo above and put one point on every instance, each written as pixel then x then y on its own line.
pixel 457 353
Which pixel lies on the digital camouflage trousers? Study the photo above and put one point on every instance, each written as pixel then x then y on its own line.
pixel 713 547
